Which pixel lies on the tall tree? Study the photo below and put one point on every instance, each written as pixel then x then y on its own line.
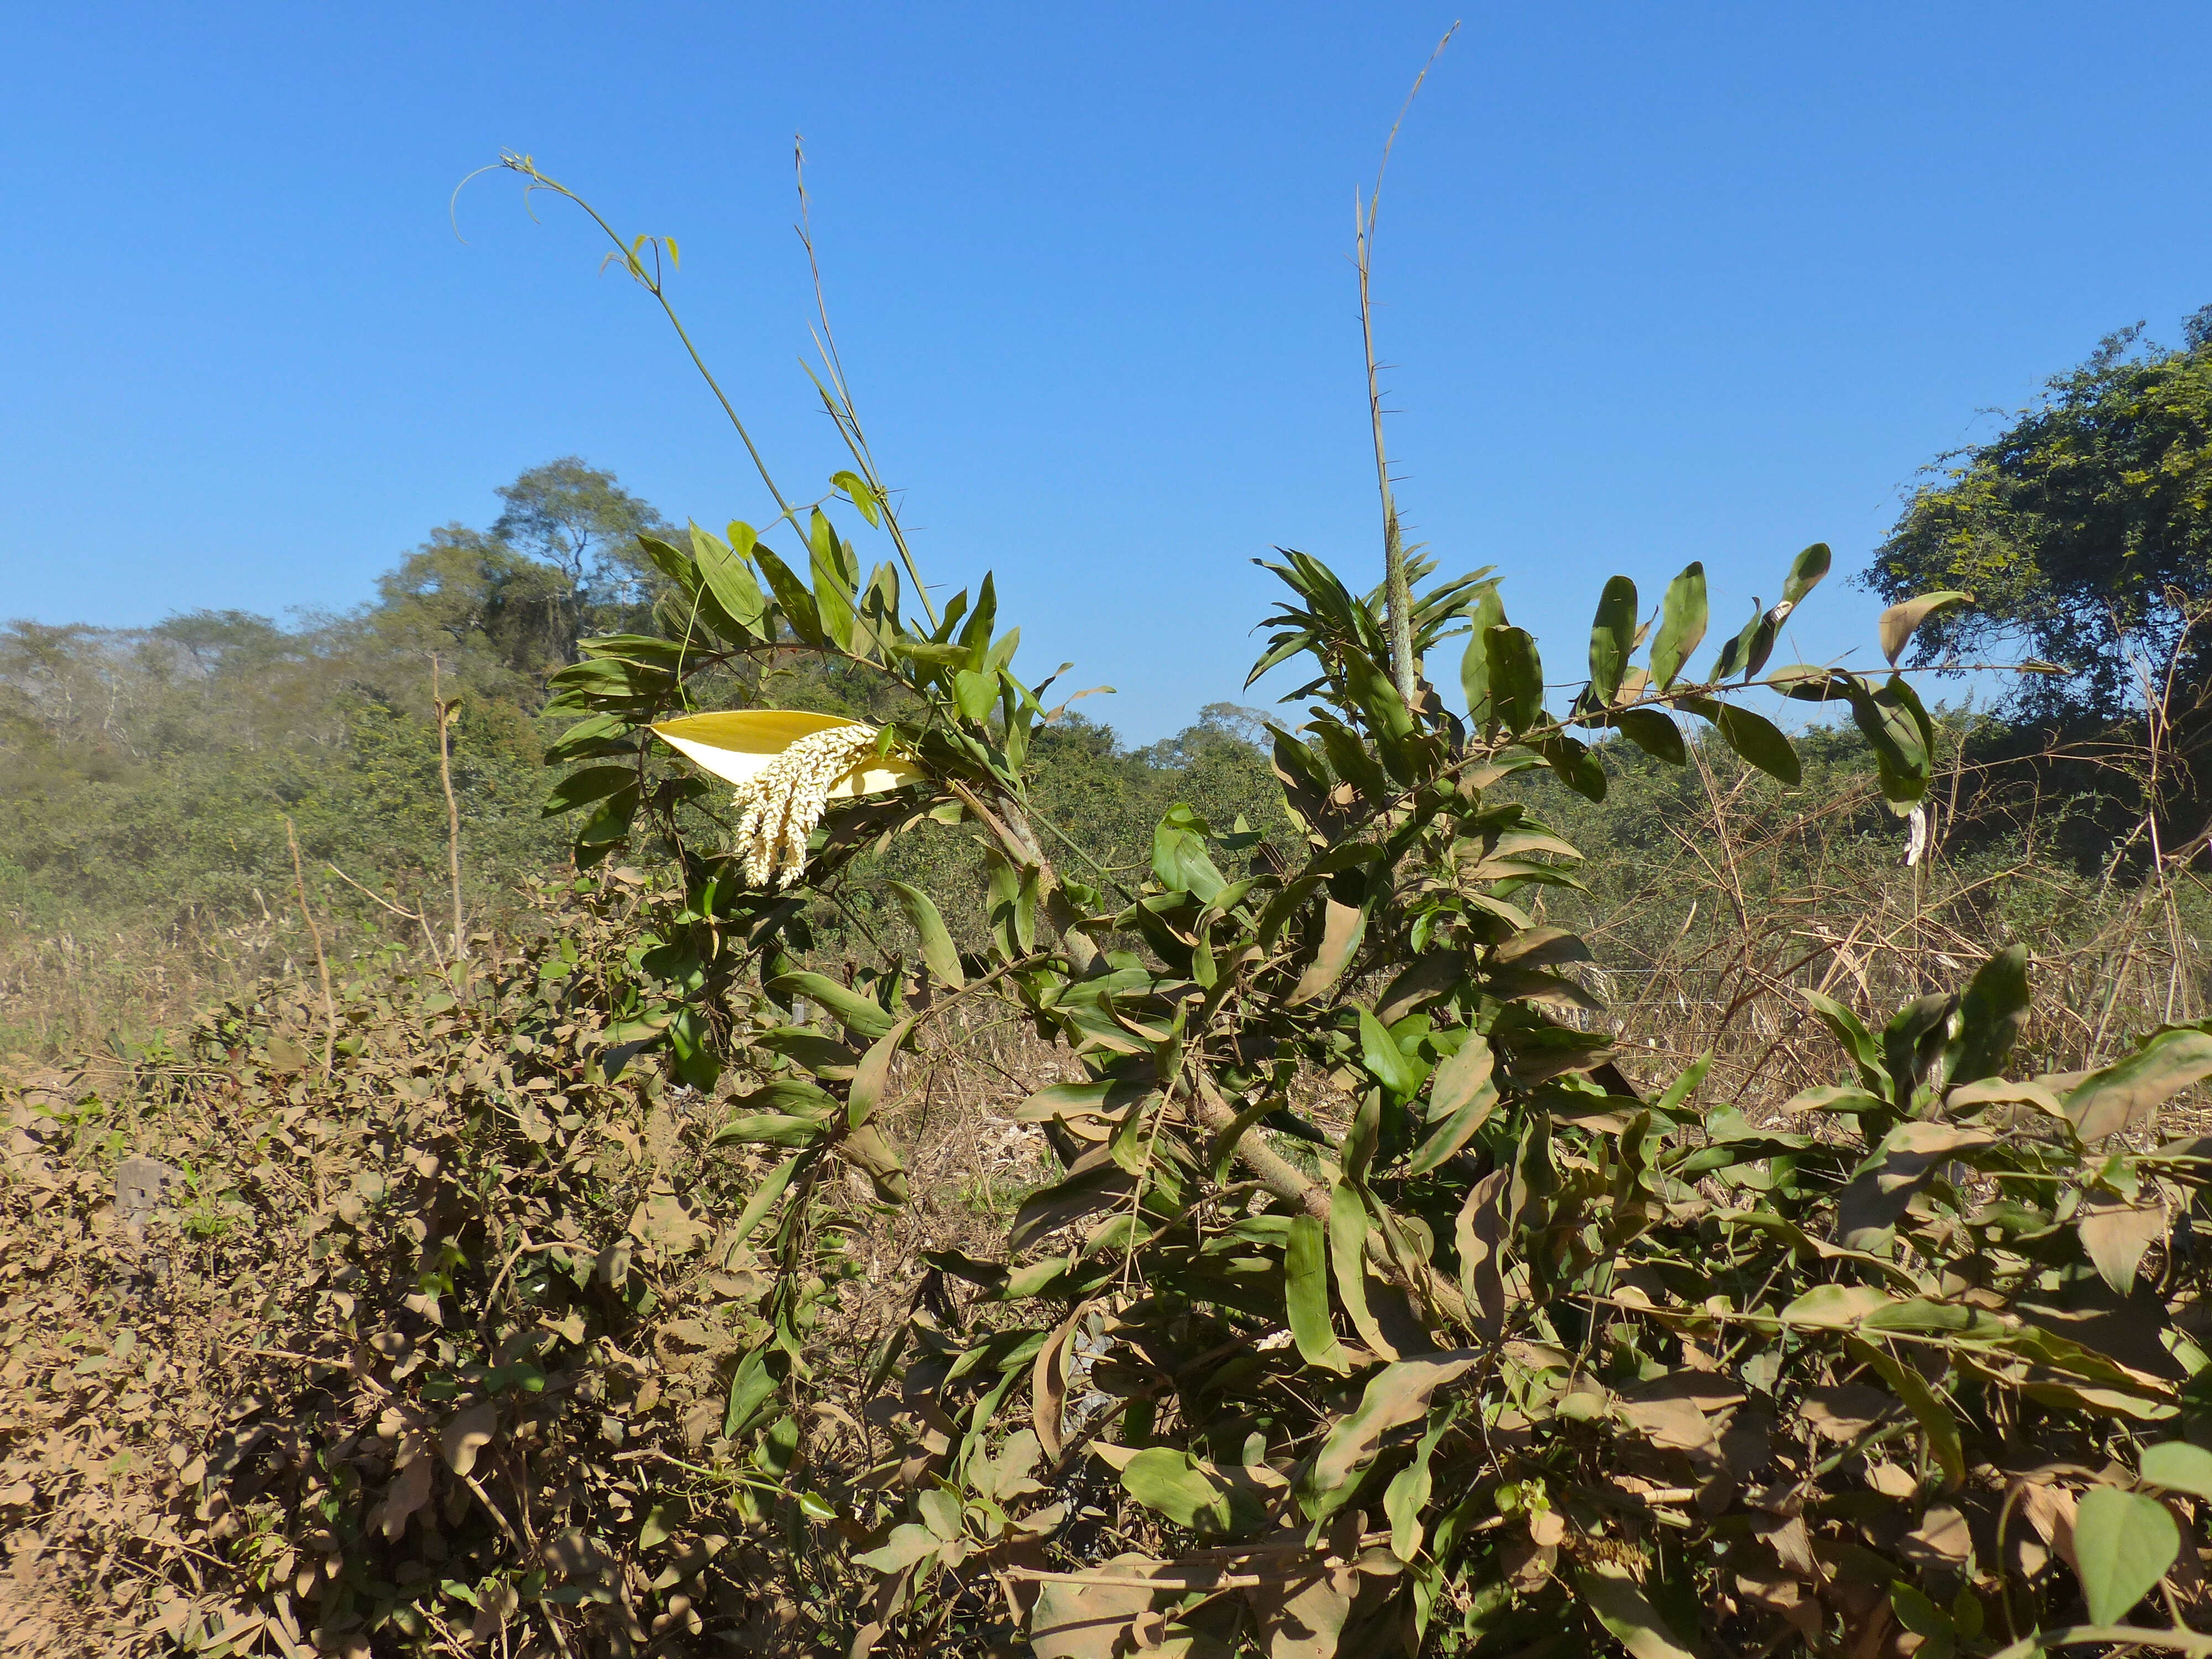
pixel 561 559
pixel 482 603
pixel 2083 531
pixel 576 517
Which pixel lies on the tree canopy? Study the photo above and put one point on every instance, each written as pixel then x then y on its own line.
pixel 2083 530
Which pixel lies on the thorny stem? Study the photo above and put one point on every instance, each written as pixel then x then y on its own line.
pixel 842 410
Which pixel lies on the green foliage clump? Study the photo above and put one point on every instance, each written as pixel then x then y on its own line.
pixel 1375 1308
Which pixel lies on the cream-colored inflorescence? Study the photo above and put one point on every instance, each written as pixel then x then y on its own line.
pixel 783 801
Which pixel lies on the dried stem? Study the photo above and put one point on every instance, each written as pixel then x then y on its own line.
pixel 1397 593
pixel 322 961
pixel 452 808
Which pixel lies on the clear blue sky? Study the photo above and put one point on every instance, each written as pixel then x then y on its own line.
pixel 1663 282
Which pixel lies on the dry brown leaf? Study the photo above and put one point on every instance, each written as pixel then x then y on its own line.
pixel 2117 1236
pixel 472 1429
pixel 1846 1411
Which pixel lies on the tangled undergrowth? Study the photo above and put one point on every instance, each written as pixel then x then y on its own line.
pixel 436 1350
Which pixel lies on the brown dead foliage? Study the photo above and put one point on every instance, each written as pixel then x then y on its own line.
pixel 432 1353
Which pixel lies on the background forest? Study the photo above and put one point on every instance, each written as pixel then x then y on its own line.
pixel 146 776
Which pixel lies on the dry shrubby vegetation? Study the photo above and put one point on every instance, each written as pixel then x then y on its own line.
pixel 241 1418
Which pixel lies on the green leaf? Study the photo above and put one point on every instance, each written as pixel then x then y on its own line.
pixel 976 634
pixel 1005 890
pixel 611 823
pixel 1343 926
pixel 1396 1395
pixel 1754 737
pixel 1571 762
pixel 1348 1254
pixel 1626 1613
pixel 1459 1102
pixel 661 1522
pixel 672 562
pixel 1305 1294
pixel 2123 1543
pixel 1932 1409
pixel 872 1075
pixel 1191 1492
pixel 1848 1028
pixel 1374 696
pixel 936 947
pixel 599 734
pixel 1990 1015
pixel 581 788
pixel 1832 1307
pixel 1653 732
pixel 1105 1096
pixel 2123 1093
pixel 1805 573
pixel 1684 1085
pixel 1180 858
pixel 799 609
pixel 834 597
pixel 1682 625
pixel 729 578
pixel 752 1388
pixel 1349 755
pixel 688 1041
pixel 1407 1494
pixel 976 694
pixel 857 491
pixel 768 1129
pixel 609 677
pixel 1737 651
pixel 866 1150
pixel 909 1544
pixel 1516 678
pixel 793 1094
pixel 764 1199
pixel 1900 622
pixel 1901 733
pixel 1488 611
pixel 1399 1072
pixel 929 653
pixel 862 1015
pixel 1612 637
pixel 2177 1465
pixel 1094 1183
pixel 1909 1157
pixel 1805 682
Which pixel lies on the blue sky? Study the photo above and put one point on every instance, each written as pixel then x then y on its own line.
pixel 1662 282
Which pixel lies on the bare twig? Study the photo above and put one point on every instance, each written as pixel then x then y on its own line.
pixel 322 961
pixel 415 916
pixel 446 710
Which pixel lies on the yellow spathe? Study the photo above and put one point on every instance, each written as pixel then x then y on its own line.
pixel 737 743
